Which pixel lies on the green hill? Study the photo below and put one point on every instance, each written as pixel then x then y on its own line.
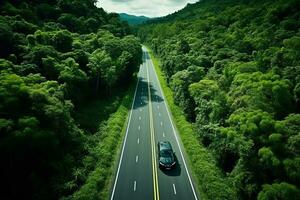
pixel 132 19
pixel 233 66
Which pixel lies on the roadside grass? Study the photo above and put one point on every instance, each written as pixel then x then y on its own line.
pixel 104 148
pixel 210 182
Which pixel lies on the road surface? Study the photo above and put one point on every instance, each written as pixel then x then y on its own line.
pixel 138 175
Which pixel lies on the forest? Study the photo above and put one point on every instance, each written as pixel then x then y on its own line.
pixel 234 69
pixel 55 57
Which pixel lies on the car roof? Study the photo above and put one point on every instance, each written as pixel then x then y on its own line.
pixel 165 145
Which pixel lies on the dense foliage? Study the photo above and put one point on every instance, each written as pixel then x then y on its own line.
pixel 54 56
pixel 234 68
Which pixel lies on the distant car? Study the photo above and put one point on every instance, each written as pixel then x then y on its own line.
pixel 166 155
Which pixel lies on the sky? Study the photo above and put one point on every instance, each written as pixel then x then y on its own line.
pixel 149 8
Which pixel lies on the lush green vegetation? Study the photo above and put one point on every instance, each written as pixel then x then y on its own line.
pixel 56 57
pixel 233 66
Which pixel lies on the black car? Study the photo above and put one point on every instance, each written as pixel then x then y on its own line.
pixel 166 155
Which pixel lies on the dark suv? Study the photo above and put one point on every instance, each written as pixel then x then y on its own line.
pixel 166 155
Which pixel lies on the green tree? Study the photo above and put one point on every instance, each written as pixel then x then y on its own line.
pixel 210 101
pixel 183 47
pixel 6 39
pixel 279 191
pixel 180 83
pixel 70 22
pixel 62 41
pixel 99 64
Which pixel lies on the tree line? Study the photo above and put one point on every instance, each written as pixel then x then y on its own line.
pixel 54 56
pixel 233 66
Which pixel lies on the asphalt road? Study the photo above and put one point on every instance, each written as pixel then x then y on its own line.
pixel 138 175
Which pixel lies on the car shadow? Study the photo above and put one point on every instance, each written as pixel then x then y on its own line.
pixel 176 171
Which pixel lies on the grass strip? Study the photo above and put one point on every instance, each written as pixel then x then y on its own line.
pixel 210 182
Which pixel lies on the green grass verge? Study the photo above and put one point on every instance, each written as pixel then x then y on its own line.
pixel 109 138
pixel 210 182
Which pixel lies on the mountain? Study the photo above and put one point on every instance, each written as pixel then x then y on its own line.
pixel 132 19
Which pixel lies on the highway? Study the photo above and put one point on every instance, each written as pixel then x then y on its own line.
pixel 138 176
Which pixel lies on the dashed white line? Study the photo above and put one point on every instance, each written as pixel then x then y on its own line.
pixel 140 118
pixel 164 134
pixel 136 159
pixel 139 127
pixel 157 107
pixel 174 188
pixel 138 141
pixel 134 186
pixel 159 114
pixel 161 123
pixel 141 110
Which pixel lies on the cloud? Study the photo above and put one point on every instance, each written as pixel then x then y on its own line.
pixel 150 8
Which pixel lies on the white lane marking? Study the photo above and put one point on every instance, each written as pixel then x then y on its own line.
pixel 141 110
pixel 138 141
pixel 157 107
pixel 159 114
pixel 167 108
pixel 134 186
pixel 174 188
pixel 164 134
pixel 140 118
pixel 124 143
pixel 136 159
pixel 139 127
pixel 141 102
pixel 161 123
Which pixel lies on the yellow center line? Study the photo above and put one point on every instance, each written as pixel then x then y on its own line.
pixel 154 164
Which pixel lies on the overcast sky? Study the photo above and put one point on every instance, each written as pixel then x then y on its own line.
pixel 149 8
